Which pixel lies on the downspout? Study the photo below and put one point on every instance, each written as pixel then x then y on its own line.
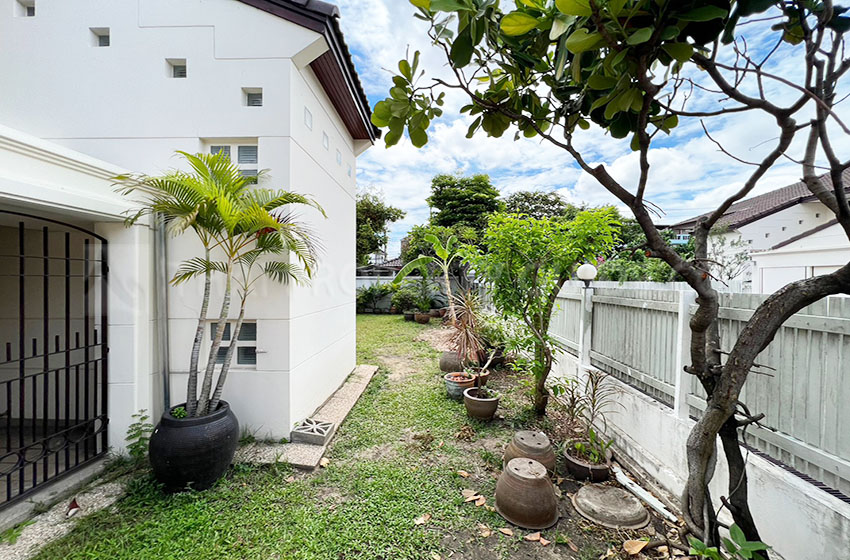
pixel 160 251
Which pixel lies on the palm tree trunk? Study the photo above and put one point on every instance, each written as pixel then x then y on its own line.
pixel 206 388
pixel 192 390
pixel 452 314
pixel 225 367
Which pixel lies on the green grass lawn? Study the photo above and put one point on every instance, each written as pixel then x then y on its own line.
pixel 394 459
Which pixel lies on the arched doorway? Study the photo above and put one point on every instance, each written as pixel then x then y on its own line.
pixel 53 350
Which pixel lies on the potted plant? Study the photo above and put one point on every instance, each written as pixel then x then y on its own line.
pixel 590 458
pixel 405 299
pixel 481 402
pixel 465 338
pixel 445 255
pixel 245 236
pixel 457 382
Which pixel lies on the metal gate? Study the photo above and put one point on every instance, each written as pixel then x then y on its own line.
pixel 53 348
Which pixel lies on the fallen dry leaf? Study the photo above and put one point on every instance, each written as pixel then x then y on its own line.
pixel 435 556
pixel 634 547
pixel 473 498
pixel 290 479
pixel 484 530
pixel 422 519
pixel 463 474
pixel 533 537
pixel 544 542
pixel 559 480
pixel 572 546
pixel 506 531
pixel 466 492
pixel 324 462
pixel 439 445
pixel 480 501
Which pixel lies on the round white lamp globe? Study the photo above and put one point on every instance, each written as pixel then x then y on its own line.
pixel 586 272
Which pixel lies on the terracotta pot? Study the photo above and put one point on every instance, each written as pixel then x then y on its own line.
pixel 444 311
pixel 409 315
pixel 482 374
pixel 435 313
pixel 450 362
pixel 525 496
pixel 582 470
pixel 454 388
pixel 533 445
pixel 477 407
pixel 422 318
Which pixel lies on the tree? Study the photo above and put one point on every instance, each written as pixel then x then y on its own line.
pixel 445 255
pixel 634 69
pixel 462 201
pixel 526 263
pixel 631 260
pixel 416 243
pixel 373 219
pixel 245 235
pixel 540 205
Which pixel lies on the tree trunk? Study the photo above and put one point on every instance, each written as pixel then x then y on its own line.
pixel 206 388
pixel 452 314
pixel 192 389
pixel 225 367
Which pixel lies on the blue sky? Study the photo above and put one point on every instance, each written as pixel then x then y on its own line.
pixel 689 174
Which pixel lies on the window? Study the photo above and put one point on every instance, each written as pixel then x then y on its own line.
pixel 349 170
pixel 216 149
pixel 252 97
pixel 326 142
pixel 784 228
pixel 766 235
pixel 817 215
pixel 100 36
pixel 25 8
pixel 308 118
pixel 246 344
pixel 338 157
pixel 247 154
pixel 176 67
pixel 251 174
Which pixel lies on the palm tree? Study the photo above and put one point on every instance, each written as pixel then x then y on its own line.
pixel 445 257
pixel 246 236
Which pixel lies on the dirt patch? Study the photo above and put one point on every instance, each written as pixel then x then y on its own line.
pixel 376 452
pixel 400 367
pixel 439 338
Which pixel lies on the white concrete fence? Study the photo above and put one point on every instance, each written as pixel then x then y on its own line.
pixel 799 468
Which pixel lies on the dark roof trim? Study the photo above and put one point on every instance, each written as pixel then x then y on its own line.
pixel 334 69
pixel 805 234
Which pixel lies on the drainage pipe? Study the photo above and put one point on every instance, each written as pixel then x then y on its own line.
pixel 160 250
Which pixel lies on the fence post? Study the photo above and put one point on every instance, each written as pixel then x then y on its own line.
pixel 683 349
pixel 585 327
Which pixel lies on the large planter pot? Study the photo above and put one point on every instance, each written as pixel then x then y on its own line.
pixel 533 445
pixel 482 374
pixel 422 318
pixel 435 313
pixel 477 407
pixel 455 388
pixel 194 452
pixel 450 362
pixel 582 470
pixel 409 316
pixel 525 496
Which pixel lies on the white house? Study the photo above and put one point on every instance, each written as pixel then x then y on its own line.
pixel 748 235
pixel 86 82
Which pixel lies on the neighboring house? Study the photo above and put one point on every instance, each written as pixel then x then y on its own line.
pixel 86 82
pixel 763 223
pixel 385 268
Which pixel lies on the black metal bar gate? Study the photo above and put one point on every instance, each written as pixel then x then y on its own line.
pixel 53 361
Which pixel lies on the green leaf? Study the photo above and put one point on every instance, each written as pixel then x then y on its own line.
pixel 601 82
pixel 473 127
pixel 642 35
pixel 381 115
pixel 418 136
pixel 536 4
pixel 581 41
pixel 704 13
pixel 574 7
pixel 461 51
pixel 404 68
pixel 737 534
pixel 680 51
pixel 426 4
pixel 518 23
pixel 449 6
pixel 559 26
pixel 670 32
pixel 583 124
pixel 616 6
pixel 399 94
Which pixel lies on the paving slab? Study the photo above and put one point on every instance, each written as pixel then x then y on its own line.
pixel 334 410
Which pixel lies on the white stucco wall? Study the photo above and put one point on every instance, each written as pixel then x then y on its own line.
pixel 125 108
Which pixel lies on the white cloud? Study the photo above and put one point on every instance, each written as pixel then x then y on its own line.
pixel 689 173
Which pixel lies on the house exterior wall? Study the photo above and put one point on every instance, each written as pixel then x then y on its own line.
pixel 120 103
pixel 822 252
pixel 767 232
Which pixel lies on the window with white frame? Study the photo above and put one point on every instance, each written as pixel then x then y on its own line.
pixel 100 36
pixel 245 345
pixel 326 141
pixel 25 8
pixel 223 149
pixel 252 97
pixel 308 118
pixel 177 67
pixel 247 157
pixel 338 157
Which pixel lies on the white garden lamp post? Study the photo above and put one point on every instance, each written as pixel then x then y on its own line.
pixel 586 273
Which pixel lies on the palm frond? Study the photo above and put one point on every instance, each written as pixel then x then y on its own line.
pixel 194 267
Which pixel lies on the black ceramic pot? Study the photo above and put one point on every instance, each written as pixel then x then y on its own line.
pixel 194 452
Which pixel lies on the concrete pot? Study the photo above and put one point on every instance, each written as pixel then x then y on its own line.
pixel 450 362
pixel 533 445
pixel 525 496
pixel 454 388
pixel 582 470
pixel 477 407
pixel 409 316
pixel 422 318
pixel 435 313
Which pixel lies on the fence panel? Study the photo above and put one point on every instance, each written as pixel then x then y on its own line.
pixel 566 317
pixel 635 337
pixel 802 387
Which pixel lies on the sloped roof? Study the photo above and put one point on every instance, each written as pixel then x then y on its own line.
pixel 335 68
pixel 755 208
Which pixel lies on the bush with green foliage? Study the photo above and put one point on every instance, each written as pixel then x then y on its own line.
pixel 406 297
pixel 463 201
pixel 368 297
pixel 138 437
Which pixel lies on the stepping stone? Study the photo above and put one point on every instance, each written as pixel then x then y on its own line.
pixel 610 507
pixel 314 432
